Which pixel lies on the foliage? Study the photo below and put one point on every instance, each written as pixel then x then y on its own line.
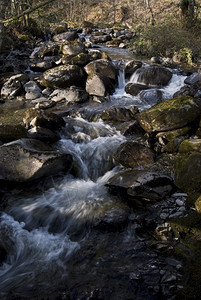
pixel 168 39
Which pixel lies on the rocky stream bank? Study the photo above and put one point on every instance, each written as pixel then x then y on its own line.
pixel 100 173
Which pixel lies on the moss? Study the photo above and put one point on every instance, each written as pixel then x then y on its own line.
pixel 188 230
pixel 190 145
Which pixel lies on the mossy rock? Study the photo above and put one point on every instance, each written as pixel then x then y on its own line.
pixel 170 114
pixel 173 134
pixel 188 172
pixel 190 145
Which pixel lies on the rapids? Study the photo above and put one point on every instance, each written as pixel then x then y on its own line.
pixel 55 249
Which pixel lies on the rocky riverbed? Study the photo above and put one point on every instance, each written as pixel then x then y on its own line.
pixel 100 178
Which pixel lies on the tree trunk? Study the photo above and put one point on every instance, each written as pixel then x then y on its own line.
pixel 152 21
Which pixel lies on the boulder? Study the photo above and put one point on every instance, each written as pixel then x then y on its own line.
pixel 170 114
pixel 100 39
pixel 63 77
pixel 73 48
pixel 65 36
pixel 131 66
pixel 11 132
pixel 43 134
pixel 141 184
pixel 25 160
pixel 72 95
pixel 36 117
pixel 32 90
pixel 99 85
pixel 135 88
pixel 151 97
pixel 103 67
pixel 82 59
pixel 119 114
pixel 133 155
pixel 114 218
pixel 193 78
pixel 153 75
pixel 46 49
pixel 188 172
pixel 13 86
pixel 190 145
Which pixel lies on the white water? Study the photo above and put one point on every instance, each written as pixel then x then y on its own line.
pixel 39 232
pixel 120 97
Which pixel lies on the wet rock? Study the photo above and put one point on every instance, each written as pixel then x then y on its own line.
pixel 151 97
pixel 13 86
pixel 169 114
pixel 63 77
pixel 119 114
pixel 173 134
pixel 113 219
pixel 132 128
pixel 135 88
pixel 184 91
pixel 43 134
pixel 193 78
pixel 155 60
pixel 141 185
pixel 43 103
pixel 154 75
pixel 131 66
pixel 65 36
pixel 28 159
pixel 103 67
pixel 133 155
pixel 34 117
pixel 46 49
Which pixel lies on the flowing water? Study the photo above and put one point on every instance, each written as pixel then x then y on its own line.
pixel 56 248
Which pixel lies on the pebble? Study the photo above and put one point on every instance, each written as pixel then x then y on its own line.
pixel 179 202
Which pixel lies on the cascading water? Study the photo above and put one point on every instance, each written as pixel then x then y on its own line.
pixel 51 239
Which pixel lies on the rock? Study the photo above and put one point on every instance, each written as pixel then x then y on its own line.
pixel 99 85
pixel 41 66
pixel 103 67
pixel 11 132
pixel 133 155
pixel 46 49
pixel 32 90
pixel 73 48
pixel 193 78
pixel 141 185
pixel 153 75
pixel 65 36
pixel 135 88
pixel 187 172
pixel 13 86
pixel 184 91
pixel 25 160
pixel 43 103
pixel 71 95
pixel 155 60
pixel 190 145
pixel 100 39
pixel 119 114
pixel 82 59
pixel 113 219
pixel 131 66
pixel 170 114
pixel 151 97
pixel 63 77
pixel 43 134
pixel 34 117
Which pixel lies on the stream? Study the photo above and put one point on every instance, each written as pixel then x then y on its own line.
pixel 71 239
